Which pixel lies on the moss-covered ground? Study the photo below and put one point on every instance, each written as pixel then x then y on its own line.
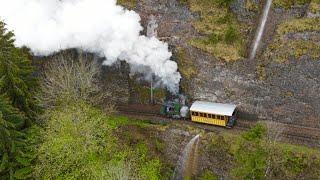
pixel 82 142
pixel 127 3
pixel 314 6
pixel 221 35
pixel 252 155
pixel 284 47
pixel 289 3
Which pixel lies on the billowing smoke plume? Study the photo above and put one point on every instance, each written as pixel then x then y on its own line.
pixel 98 26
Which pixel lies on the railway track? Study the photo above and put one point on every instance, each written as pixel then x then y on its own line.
pixel 297 134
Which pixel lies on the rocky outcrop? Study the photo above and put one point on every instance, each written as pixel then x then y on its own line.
pixel 263 89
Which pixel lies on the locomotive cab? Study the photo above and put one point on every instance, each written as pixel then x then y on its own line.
pixel 174 110
pixel 170 109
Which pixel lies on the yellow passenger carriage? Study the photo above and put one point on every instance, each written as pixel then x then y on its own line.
pixel 213 113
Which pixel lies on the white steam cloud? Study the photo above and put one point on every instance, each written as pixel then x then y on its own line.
pixel 98 26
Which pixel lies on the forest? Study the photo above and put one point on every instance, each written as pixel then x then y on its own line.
pixel 53 126
pixel 59 117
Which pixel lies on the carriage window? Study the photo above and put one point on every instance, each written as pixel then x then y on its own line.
pixel 218 117
pixel 201 114
pixel 205 115
pixel 209 116
pixel 196 113
pixel 213 116
pixel 222 117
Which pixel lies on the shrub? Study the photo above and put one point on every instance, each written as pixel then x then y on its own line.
pixel 251 156
pixel 208 175
pixel 127 3
pixel 231 35
pixel 224 3
pixel 289 3
pixel 183 2
pixel 215 24
pixel 76 144
pixel 282 48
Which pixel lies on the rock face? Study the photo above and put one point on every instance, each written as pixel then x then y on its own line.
pixel 263 88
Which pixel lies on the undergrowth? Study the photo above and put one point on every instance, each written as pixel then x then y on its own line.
pixel 127 3
pixel 252 156
pixel 289 3
pixel 285 47
pixel 220 30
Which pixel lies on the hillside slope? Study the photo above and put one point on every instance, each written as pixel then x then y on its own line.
pixel 211 40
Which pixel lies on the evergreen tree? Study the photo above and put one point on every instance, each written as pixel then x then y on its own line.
pixel 11 140
pixel 17 106
pixel 16 74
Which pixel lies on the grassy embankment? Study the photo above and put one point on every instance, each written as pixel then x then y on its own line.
pixel 287 4
pixel 284 47
pixel 130 4
pixel 255 155
pixel 222 35
pixel 81 141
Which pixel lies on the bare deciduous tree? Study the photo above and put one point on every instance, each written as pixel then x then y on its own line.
pixel 274 131
pixel 67 78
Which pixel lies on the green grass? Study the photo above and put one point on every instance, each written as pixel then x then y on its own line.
pixel 314 6
pixel 289 3
pixel 208 175
pixel 249 153
pixel 82 142
pixel 251 6
pixel 220 29
pixel 299 25
pixel 130 4
pixel 116 121
pixel 281 49
pixel 183 2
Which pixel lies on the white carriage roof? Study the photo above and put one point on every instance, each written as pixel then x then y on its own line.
pixel 213 108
